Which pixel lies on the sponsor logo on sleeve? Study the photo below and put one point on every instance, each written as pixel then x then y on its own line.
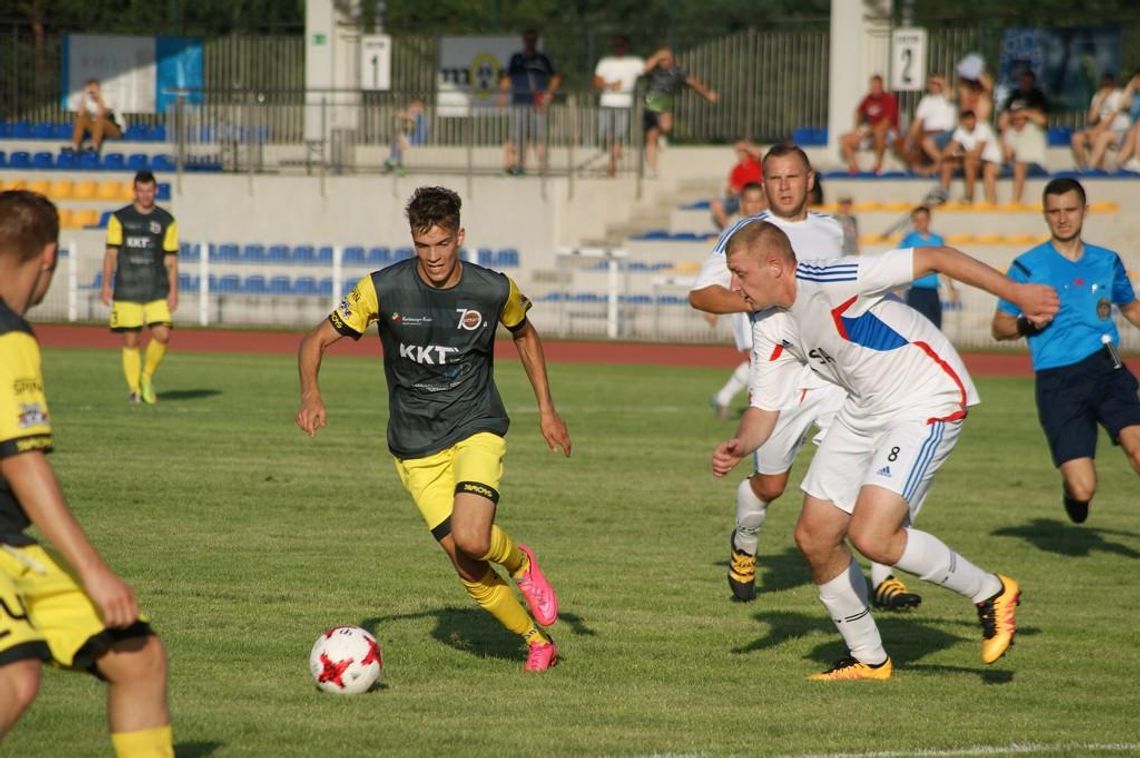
pixel 28 386
pixel 32 414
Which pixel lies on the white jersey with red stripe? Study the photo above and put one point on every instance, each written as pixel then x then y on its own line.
pixel 817 236
pixel 891 360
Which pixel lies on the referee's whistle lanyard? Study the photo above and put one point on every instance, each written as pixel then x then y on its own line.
pixel 1113 353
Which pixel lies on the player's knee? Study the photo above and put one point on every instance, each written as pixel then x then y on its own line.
pixel 1081 488
pixel 809 543
pixel 136 660
pixel 19 684
pixel 471 542
pixel 768 487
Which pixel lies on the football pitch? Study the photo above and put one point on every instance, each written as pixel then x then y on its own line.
pixel 244 540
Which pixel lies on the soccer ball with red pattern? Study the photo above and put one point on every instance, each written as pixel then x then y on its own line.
pixel 346 660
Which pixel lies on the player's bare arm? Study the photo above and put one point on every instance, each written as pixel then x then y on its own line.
pixel 172 278
pixel 110 258
pixel 1038 302
pixel 1131 311
pixel 717 299
pixel 36 488
pixel 531 355
pixel 1004 326
pixel 755 428
pixel 311 415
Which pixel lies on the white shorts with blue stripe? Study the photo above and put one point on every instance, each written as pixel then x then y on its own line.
pixel 901 456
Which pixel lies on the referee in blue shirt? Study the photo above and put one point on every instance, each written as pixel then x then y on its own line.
pixel 1081 380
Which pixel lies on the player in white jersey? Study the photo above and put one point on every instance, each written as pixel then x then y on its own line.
pixel 907 396
pixel 788 178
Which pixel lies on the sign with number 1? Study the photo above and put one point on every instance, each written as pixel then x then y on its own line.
pixel 376 62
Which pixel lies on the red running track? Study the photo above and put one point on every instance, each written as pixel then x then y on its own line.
pixel 625 353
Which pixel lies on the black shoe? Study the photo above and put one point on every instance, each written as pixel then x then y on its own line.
pixel 741 572
pixel 891 595
pixel 1078 510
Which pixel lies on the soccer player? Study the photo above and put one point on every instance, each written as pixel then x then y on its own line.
pixel 83 618
pixel 788 181
pixel 1080 378
pixel 907 397
pixel 436 316
pixel 142 259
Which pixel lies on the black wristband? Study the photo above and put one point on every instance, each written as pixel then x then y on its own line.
pixel 1027 328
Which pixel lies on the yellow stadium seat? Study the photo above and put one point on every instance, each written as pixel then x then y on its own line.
pixel 985 207
pixel 126 191
pixel 61 189
pixel 1104 207
pixel 824 208
pixel 989 239
pixel 65 218
pixel 959 239
pixel 85 217
pixel 16 184
pixel 85 190
pixel 107 191
pixel 867 206
pixel 39 185
pixel 897 206
pixel 687 267
pixel 1012 207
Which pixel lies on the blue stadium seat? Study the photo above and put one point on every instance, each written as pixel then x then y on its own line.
pixel 227 252
pixel 138 161
pixel 378 256
pixel 43 160
pixel 114 161
pixel 137 133
pixel 43 130
pixel 163 163
pixel 402 254
pixel 5 130
pixel 67 160
pixel 637 299
pixel 347 285
pixel 305 285
pixel 507 258
pixel 188 283
pixel 354 255
pixel 3 159
pixel 88 160
pixel 279 285
pixel 486 256
pixel 20 130
pixel 230 283
pixel 1059 136
pixel 188 251
pixel 163 194
pixel 325 286
pixel 104 219
pixel 61 131
pixel 324 254
pixel 20 159
pixel 97 282
pixel 699 205
pixel 158 133
pixel 253 253
pixel 277 253
pixel 303 254
pixel 254 285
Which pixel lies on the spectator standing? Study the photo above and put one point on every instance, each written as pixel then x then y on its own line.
pixel 95 117
pixel 974 147
pixel 746 171
pixel 934 120
pixel 850 225
pixel 666 77
pixel 876 124
pixel 615 77
pixel 410 128
pixel 923 293
pixel 975 87
pixel 1108 124
pixel 531 81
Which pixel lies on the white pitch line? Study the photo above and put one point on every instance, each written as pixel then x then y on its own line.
pixel 1013 748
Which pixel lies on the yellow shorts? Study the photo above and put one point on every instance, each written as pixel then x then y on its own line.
pixel 46 615
pixel 472 465
pixel 127 316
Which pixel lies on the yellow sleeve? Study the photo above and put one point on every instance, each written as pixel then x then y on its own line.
pixel 514 312
pixel 24 421
pixel 114 232
pixel 359 308
pixel 170 241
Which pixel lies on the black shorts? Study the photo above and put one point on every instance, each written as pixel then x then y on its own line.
pixel 925 300
pixel 649 119
pixel 1072 400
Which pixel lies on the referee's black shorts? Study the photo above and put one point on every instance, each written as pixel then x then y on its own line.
pixel 1073 399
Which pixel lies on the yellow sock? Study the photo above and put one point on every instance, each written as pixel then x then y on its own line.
pixel 504 552
pixel 145 743
pixel 155 350
pixel 494 596
pixel 131 364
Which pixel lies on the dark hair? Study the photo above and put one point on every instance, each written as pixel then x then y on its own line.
pixel 752 186
pixel 967 114
pixel 145 177
pixel 787 148
pixel 763 233
pixel 1061 186
pixel 28 223
pixel 433 206
pixel 920 209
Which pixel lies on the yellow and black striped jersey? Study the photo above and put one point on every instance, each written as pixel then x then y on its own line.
pixel 24 424
pixel 438 351
pixel 143 241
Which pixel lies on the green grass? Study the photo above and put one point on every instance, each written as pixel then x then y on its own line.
pixel 244 540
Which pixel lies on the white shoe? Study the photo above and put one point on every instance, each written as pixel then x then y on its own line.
pixel 1133 165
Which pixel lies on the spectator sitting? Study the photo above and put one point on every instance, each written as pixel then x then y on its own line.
pixel 1022 125
pixel 876 124
pixel 666 77
pixel 930 131
pixel 746 171
pixel 410 129
pixel 850 225
pixel 972 146
pixel 1129 156
pixel 975 87
pixel 615 77
pixel 96 117
pixel 1108 123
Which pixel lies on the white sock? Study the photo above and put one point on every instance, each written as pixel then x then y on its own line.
pixel 927 557
pixel 750 514
pixel 735 383
pixel 879 573
pixel 845 598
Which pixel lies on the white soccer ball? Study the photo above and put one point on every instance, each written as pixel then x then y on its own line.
pixel 346 660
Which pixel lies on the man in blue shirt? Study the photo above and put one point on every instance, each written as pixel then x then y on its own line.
pixel 1081 380
pixel 531 80
pixel 923 293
